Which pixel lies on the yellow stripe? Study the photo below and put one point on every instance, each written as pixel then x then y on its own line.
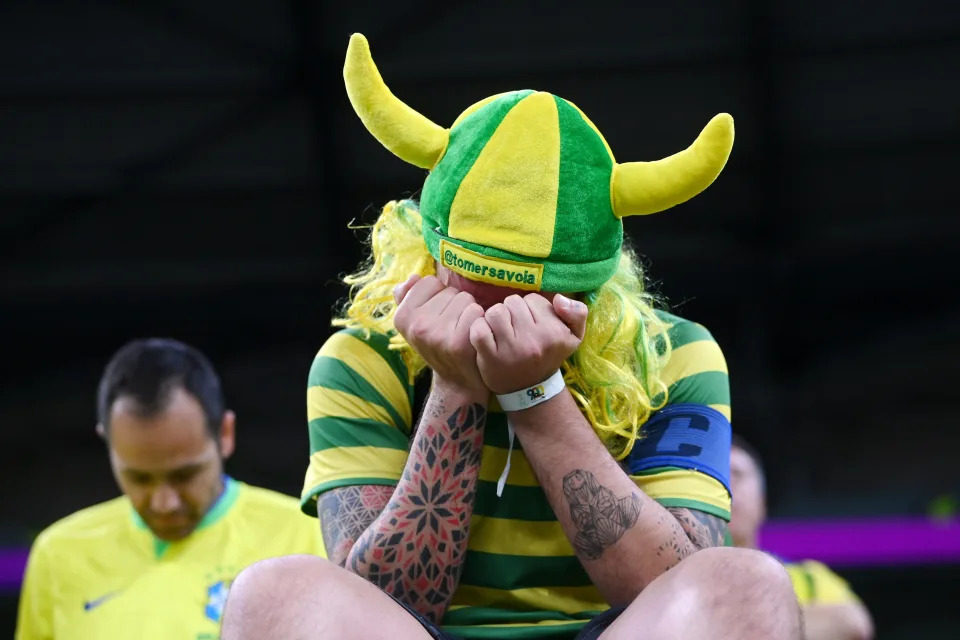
pixel 494 459
pixel 722 408
pixel 594 127
pixel 345 463
pixel 365 360
pixel 476 106
pixel 684 485
pixel 693 358
pixel 508 199
pixel 567 600
pixel 518 537
pixel 322 403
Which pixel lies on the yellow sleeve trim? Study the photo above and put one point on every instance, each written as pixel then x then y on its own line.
pixel 323 402
pixel 693 358
pixel 724 409
pixel 365 360
pixel 685 485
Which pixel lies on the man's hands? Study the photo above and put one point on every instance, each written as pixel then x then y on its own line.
pixel 523 341
pixel 513 345
pixel 436 320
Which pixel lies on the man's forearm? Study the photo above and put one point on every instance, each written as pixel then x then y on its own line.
pixel 624 539
pixel 415 548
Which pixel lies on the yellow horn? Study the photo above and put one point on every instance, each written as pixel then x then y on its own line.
pixel 639 188
pixel 399 128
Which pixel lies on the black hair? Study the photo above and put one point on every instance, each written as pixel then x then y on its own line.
pixel 149 370
pixel 739 442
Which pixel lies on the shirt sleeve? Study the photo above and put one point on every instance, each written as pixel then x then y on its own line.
pixel 696 372
pixel 683 459
pixel 35 614
pixel 359 412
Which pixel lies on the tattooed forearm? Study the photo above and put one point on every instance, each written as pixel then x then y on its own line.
pixel 703 529
pixel 600 517
pixel 415 549
pixel 346 513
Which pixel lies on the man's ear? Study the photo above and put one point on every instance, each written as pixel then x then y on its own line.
pixel 228 434
pixel 101 431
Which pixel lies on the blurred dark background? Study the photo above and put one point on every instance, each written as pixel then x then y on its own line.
pixel 189 170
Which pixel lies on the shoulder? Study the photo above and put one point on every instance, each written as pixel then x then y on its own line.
pixel 357 349
pixel 696 369
pixel 276 518
pixel 269 502
pixel 682 331
pixel 91 523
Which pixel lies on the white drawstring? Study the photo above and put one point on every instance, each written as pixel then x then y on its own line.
pixel 506 468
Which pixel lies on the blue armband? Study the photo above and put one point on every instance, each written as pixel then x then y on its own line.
pixel 688 436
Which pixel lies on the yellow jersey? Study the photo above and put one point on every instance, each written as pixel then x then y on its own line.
pixel 101 574
pixel 815 583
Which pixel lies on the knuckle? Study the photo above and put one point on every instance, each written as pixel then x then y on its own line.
pixel 463 296
pixel 418 329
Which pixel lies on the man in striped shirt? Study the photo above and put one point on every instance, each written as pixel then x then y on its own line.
pixel 572 448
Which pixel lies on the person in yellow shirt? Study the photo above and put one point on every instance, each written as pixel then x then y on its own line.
pixel 831 610
pixel 158 561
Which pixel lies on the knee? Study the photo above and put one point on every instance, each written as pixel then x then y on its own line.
pixel 753 580
pixel 260 593
pixel 745 569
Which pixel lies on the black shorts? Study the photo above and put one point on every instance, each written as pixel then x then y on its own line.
pixel 590 631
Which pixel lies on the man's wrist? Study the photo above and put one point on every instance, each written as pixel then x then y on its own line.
pixel 474 393
pixel 532 395
pixel 540 414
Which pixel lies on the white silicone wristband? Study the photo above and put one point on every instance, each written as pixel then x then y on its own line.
pixel 532 396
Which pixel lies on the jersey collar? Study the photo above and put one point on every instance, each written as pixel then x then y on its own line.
pixel 219 508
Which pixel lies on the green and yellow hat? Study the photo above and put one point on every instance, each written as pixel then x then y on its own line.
pixel 523 190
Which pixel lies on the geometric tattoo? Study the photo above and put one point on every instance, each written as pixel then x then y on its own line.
pixel 416 548
pixel 703 529
pixel 600 517
pixel 345 513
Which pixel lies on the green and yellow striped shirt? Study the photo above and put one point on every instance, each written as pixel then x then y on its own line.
pixel 521 578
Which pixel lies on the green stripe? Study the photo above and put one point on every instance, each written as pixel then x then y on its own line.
pixel 516 503
pixel 586 229
pixel 467 141
pixel 709 387
pixel 331 432
pixel 695 505
pixel 551 632
pixel 683 332
pixel 308 501
pixel 811 583
pixel 381 344
pixel 489 615
pixel 500 571
pixel 331 373
pixel 495 432
pixel 656 470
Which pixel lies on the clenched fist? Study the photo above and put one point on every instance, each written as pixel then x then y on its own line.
pixel 436 321
pixel 522 341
